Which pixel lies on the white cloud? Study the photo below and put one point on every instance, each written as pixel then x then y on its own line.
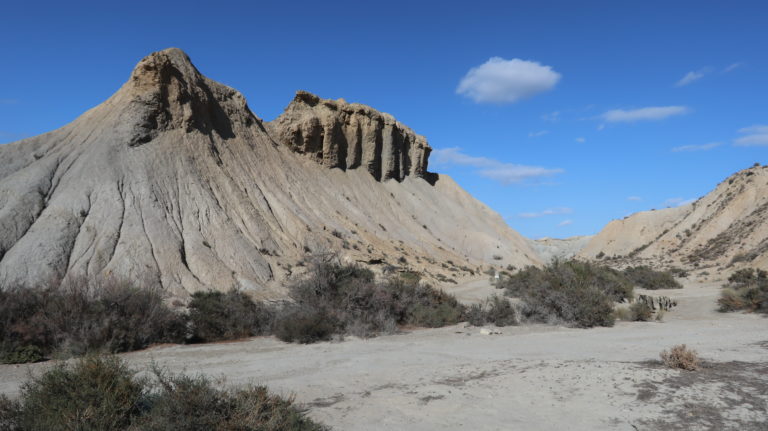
pixel 691 77
pixel 581 140
pixel 565 223
pixel 546 212
pixel 704 147
pixel 677 202
pixel 507 81
pixel 754 136
pixel 537 134
pixel 634 198
pixel 505 173
pixel 552 117
pixel 600 127
pixel 732 67
pixel 642 114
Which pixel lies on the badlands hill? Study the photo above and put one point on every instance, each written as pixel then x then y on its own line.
pixel 175 179
pixel 727 228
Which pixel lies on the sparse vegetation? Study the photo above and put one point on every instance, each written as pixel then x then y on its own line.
pixel 747 289
pixel 680 357
pixel 496 310
pixel 79 317
pixel 102 393
pixel 573 292
pixel 647 278
pixel 215 316
pixel 346 299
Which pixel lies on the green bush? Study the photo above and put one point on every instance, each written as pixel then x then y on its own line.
pixel 577 293
pixel 215 316
pixel 347 299
pixel 647 278
pixel 747 289
pixel 84 316
pixel 496 310
pixel 102 393
pixel 640 312
pixel 303 325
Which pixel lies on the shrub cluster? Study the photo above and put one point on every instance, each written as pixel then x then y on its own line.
pixel 747 289
pixel 494 310
pixel 647 278
pixel 102 393
pixel 82 316
pixel 215 315
pixel 339 299
pixel 577 293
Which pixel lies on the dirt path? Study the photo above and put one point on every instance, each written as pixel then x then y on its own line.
pixel 530 377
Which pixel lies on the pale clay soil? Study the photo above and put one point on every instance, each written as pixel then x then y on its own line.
pixel 531 377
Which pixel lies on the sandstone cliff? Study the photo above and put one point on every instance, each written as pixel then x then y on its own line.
pixel 345 135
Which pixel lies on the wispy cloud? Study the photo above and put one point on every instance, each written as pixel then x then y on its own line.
pixel 8 101
pixel 677 202
pixel 581 140
pixel 643 114
pixel 505 173
pixel 634 198
pixel 692 77
pixel 754 136
pixel 507 81
pixel 704 147
pixel 537 134
pixel 565 223
pixel 732 67
pixel 546 212
pixel 552 117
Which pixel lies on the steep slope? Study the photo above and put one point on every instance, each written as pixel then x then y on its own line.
pixel 174 179
pixel 549 249
pixel 728 226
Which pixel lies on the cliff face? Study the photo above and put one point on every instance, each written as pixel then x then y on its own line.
pixel 345 135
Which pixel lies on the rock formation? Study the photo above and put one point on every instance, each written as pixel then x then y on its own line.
pixel 727 228
pixel 345 135
pixel 173 178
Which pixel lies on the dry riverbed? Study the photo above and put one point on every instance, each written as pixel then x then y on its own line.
pixel 529 377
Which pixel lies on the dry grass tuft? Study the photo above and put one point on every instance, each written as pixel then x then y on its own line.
pixel 681 357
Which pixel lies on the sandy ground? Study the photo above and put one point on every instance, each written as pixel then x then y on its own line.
pixel 528 378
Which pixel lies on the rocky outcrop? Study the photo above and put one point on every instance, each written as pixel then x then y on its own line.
pixel 345 135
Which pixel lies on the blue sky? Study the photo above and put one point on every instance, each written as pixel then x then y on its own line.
pixel 560 116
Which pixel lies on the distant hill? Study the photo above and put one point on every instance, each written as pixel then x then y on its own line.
pixel 727 228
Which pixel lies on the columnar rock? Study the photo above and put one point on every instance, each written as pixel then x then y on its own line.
pixel 349 136
pixel 173 179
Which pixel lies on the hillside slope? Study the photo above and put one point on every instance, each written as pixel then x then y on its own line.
pixel 174 179
pixel 726 228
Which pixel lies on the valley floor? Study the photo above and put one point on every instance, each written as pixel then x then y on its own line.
pixel 530 377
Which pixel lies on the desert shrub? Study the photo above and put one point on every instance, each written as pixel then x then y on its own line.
pixel 305 325
pixel 496 310
pixel 640 312
pixel 747 289
pixel 81 316
pixel 647 278
pixel 95 393
pixel 215 315
pixel 102 393
pixel 577 293
pixel 183 402
pixel 680 357
pixel 348 299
